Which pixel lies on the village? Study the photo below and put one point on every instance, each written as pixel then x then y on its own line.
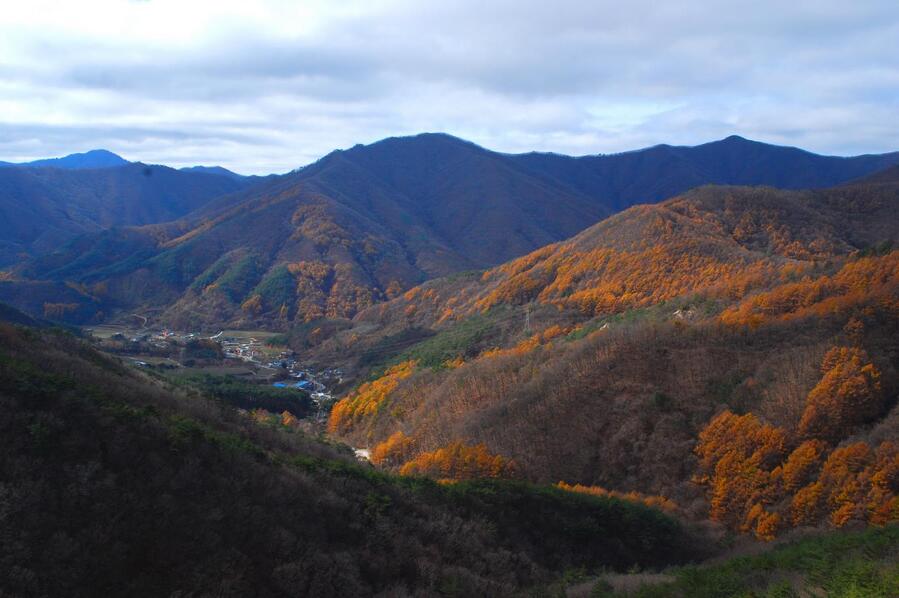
pixel 247 355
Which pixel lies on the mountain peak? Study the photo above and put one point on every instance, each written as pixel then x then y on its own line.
pixel 96 158
pixel 402 151
pixel 423 139
pixel 735 141
pixel 218 170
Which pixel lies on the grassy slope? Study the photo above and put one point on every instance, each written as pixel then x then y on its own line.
pixel 837 565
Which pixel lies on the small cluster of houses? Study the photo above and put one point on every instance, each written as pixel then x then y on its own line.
pixel 170 335
pixel 304 379
pixel 160 339
pixel 244 349
pixel 250 350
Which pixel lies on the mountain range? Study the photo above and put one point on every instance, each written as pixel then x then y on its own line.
pixel 559 369
pixel 41 208
pixel 45 203
pixel 361 225
pixel 101 158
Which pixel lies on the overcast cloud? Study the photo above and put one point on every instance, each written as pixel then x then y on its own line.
pixel 266 86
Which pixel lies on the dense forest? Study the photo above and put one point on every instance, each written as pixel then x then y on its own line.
pixel 731 352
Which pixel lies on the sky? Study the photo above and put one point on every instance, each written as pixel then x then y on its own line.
pixel 262 86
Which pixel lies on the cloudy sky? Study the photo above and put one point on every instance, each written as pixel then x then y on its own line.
pixel 266 86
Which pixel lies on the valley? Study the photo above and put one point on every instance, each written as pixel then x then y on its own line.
pixel 457 299
pixel 722 362
pixel 254 359
pixel 600 362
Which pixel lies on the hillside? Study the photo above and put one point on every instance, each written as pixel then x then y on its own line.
pixel 114 483
pixel 42 208
pixel 720 240
pixel 887 176
pixel 834 564
pixel 362 225
pixel 699 349
pixel 14 316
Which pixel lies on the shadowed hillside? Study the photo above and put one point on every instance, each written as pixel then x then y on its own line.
pixel 114 483
pixel 41 208
pixel 662 171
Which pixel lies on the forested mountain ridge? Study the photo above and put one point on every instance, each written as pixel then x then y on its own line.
pixel 731 350
pixel 726 239
pixel 362 225
pixel 662 171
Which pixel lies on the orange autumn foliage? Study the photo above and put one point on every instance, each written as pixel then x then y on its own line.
pixel 394 289
pixel 607 280
pixel 804 506
pixel 744 435
pixel 540 339
pixel 720 244
pixel 455 362
pixel 289 420
pixel 752 491
pixel 848 394
pixel 860 281
pixel 460 461
pixel 763 523
pixel 659 502
pixel 803 464
pixel 883 497
pixel 522 348
pixel 739 460
pixel 394 451
pixel 855 483
pixel 325 290
pixel 368 398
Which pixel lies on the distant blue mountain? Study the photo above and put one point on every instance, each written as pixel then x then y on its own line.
pixel 101 158
pixel 214 170
pixel 42 208
pixel 98 158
